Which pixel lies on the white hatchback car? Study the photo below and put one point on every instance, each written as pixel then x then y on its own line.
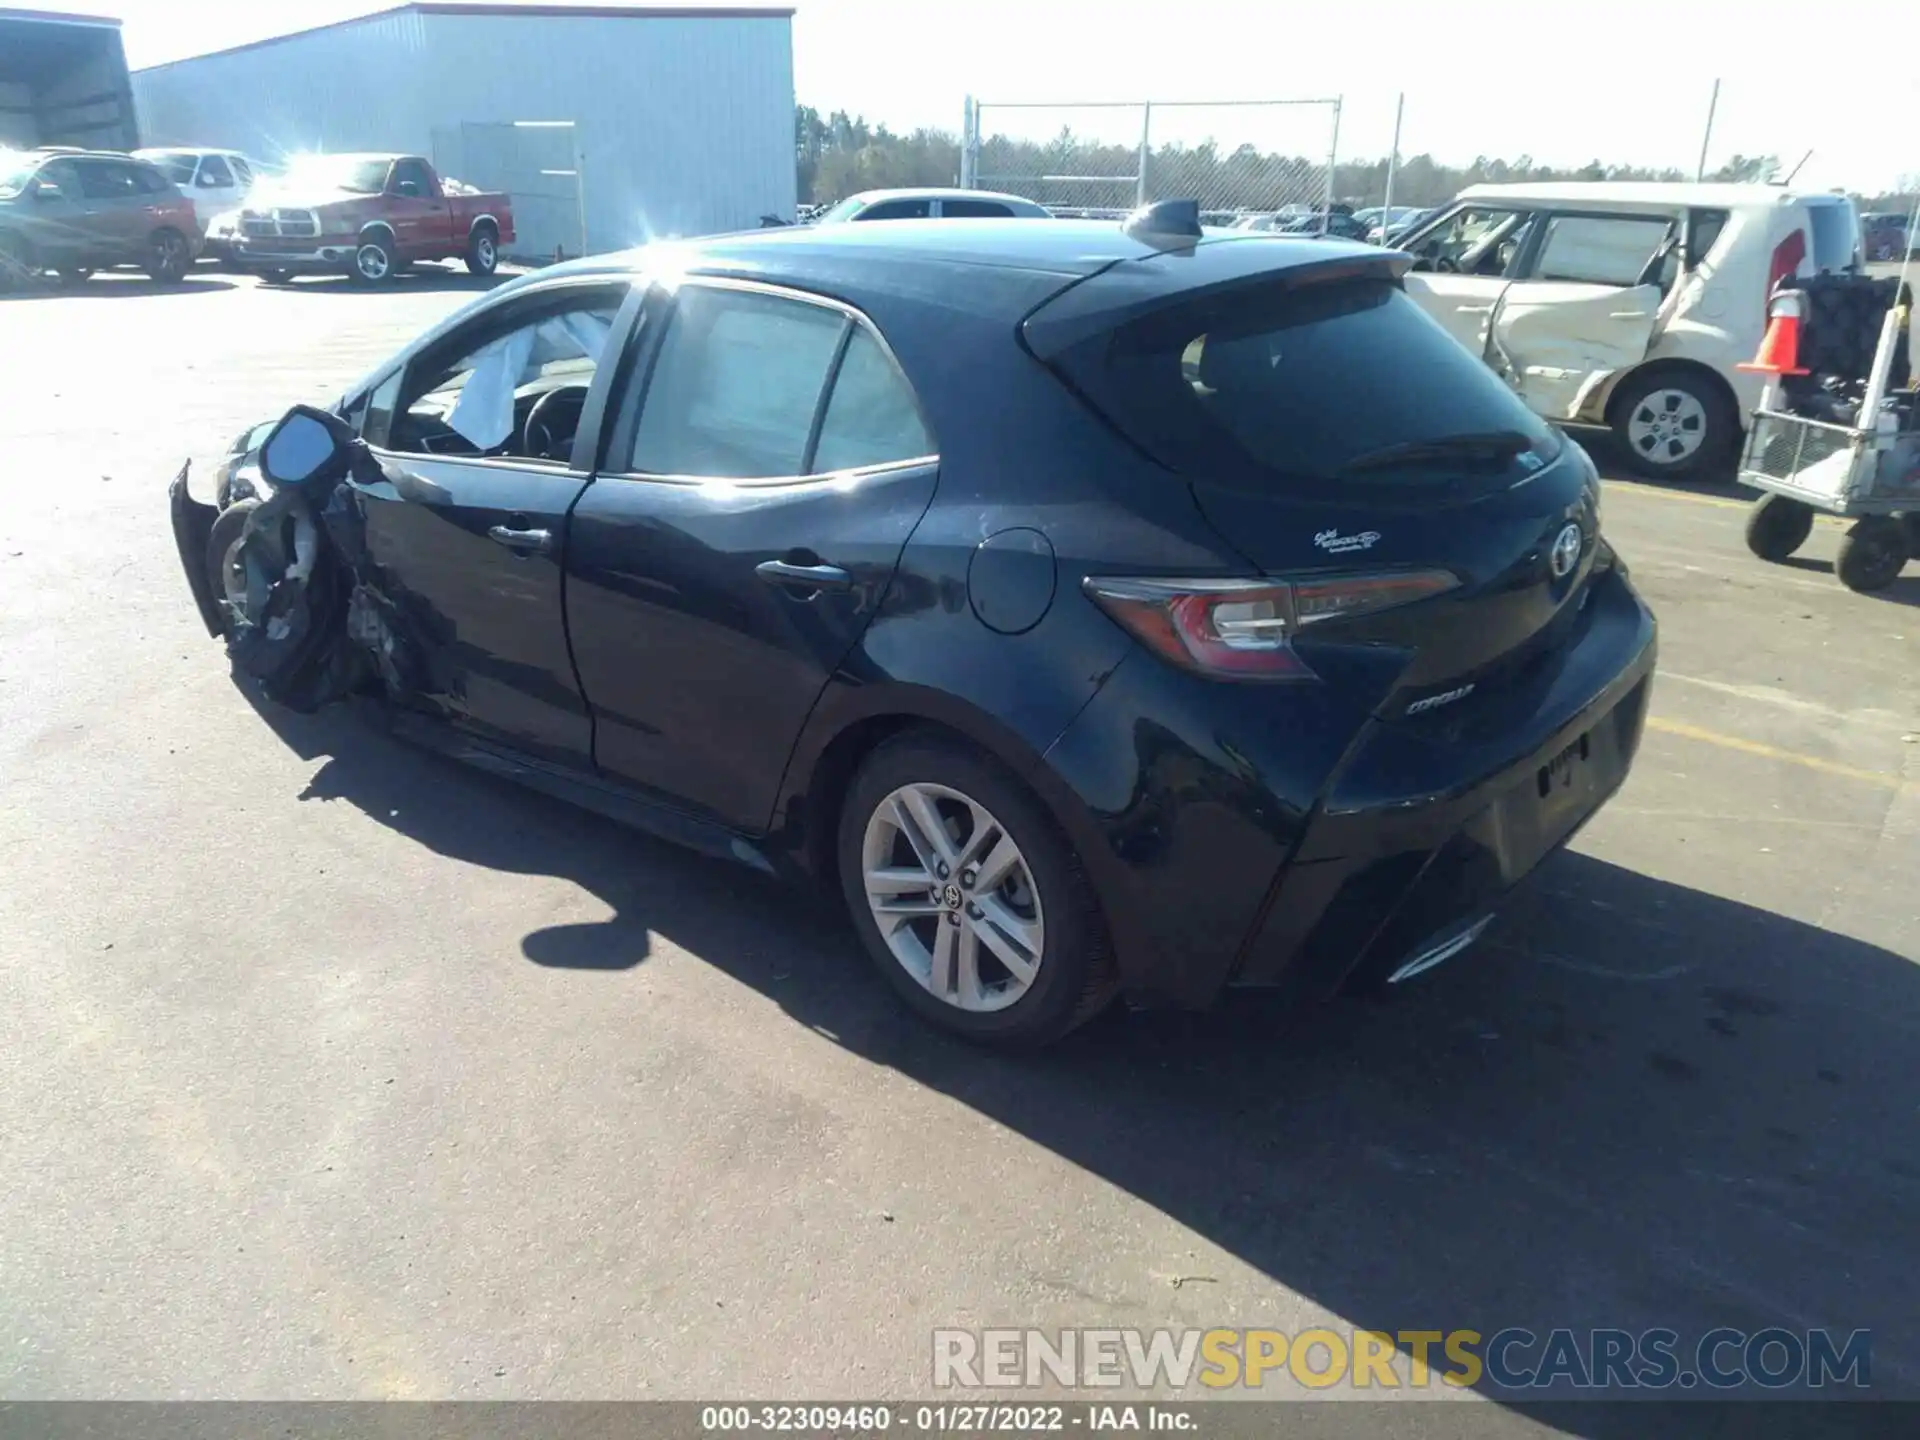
pixel 1624 304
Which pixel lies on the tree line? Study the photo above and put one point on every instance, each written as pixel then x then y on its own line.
pixel 838 154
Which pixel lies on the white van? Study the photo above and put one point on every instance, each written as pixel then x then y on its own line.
pixel 1627 304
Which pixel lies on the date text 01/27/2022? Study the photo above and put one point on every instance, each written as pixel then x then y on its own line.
pixel 960 1419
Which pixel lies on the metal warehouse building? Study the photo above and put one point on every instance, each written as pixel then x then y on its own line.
pixel 668 120
pixel 63 81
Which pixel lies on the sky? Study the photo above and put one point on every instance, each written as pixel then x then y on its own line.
pixel 1627 81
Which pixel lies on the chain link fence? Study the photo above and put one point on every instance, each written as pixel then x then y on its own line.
pixel 1236 158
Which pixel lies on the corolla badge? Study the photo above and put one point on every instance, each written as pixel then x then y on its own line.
pixel 1566 551
pixel 1334 543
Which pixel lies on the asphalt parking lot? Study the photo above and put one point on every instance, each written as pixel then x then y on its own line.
pixel 331 1069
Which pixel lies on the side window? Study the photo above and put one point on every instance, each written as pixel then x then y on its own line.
pixel 410 178
pixel 242 172
pixel 214 171
pixel 1600 249
pixel 897 210
pixel 736 385
pixel 151 180
pixel 871 416
pixel 974 210
pixel 1703 233
pixel 510 384
pixel 1474 241
pixel 64 176
pixel 105 180
pixel 376 418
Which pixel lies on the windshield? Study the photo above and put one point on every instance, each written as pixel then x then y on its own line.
pixel 338 172
pixel 844 210
pixel 1290 387
pixel 176 165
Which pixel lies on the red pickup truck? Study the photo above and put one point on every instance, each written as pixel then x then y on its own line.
pixel 369 216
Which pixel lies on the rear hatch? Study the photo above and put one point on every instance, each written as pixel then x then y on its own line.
pixel 1433 534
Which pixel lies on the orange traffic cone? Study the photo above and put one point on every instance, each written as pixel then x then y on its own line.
pixel 1780 346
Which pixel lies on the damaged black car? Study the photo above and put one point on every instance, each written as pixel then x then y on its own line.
pixel 1094 609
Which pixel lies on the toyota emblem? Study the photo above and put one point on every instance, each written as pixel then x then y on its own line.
pixel 1566 551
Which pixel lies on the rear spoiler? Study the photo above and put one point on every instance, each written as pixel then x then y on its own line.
pixel 1127 290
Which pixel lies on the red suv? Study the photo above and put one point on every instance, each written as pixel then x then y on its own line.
pixel 74 212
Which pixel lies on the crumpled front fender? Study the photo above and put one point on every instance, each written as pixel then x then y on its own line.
pixel 192 528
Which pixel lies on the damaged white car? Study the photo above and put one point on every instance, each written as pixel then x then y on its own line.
pixel 1628 305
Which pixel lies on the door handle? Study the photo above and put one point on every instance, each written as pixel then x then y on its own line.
pixel 531 540
pixel 811 578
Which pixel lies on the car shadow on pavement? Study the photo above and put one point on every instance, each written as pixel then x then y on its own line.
pixel 412 281
pixel 1633 1105
pixel 119 287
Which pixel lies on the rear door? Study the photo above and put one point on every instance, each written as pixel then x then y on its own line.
pixel 1288 402
pixel 481 442
pixel 116 205
pixel 1585 303
pixel 765 472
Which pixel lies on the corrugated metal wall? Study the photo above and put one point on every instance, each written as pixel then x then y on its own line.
pixel 686 123
pixel 358 86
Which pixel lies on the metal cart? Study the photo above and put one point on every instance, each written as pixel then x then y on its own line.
pixel 1869 474
pixel 1804 466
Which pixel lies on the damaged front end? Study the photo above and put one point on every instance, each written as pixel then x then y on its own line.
pixel 270 568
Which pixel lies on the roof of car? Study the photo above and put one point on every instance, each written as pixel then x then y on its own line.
pixel 938 192
pixel 1650 193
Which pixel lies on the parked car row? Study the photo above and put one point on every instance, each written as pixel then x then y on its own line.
pixel 72 212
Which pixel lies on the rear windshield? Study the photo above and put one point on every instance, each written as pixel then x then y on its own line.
pixel 1317 387
pixel 1835 235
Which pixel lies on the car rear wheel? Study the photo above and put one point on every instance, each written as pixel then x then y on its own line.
pixel 1872 554
pixel 483 252
pixel 1778 526
pixel 968 898
pixel 1675 425
pixel 168 256
pixel 77 276
pixel 374 263
pixel 272 277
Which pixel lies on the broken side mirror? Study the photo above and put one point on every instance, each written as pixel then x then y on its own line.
pixel 307 445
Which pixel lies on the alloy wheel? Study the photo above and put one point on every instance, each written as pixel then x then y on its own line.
pixel 953 897
pixel 1667 426
pixel 371 262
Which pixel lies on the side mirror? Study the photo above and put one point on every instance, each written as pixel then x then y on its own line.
pixel 207 182
pixel 305 446
pixel 408 188
pixel 45 190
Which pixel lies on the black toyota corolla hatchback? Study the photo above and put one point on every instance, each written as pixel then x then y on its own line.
pixel 1097 608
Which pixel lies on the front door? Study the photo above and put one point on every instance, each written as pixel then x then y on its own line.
pixel 117 203
pixel 54 211
pixel 417 212
pixel 1463 264
pixel 466 528
pixel 757 490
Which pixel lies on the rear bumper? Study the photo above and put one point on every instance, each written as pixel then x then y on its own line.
pixel 1258 839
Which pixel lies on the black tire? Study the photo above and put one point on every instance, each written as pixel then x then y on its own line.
pixel 1075 977
pixel 1872 554
pixel 226 529
pixel 374 262
pixel 483 250
pixel 168 257
pixel 1639 412
pixel 272 277
pixel 1778 526
pixel 76 276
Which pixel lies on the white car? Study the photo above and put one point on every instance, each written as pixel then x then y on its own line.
pixel 928 204
pixel 1624 304
pixel 217 181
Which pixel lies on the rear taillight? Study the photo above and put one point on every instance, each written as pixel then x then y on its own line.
pixel 1787 256
pixel 1244 629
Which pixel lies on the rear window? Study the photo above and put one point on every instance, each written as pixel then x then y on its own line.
pixel 178 168
pixel 1290 388
pixel 1835 235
